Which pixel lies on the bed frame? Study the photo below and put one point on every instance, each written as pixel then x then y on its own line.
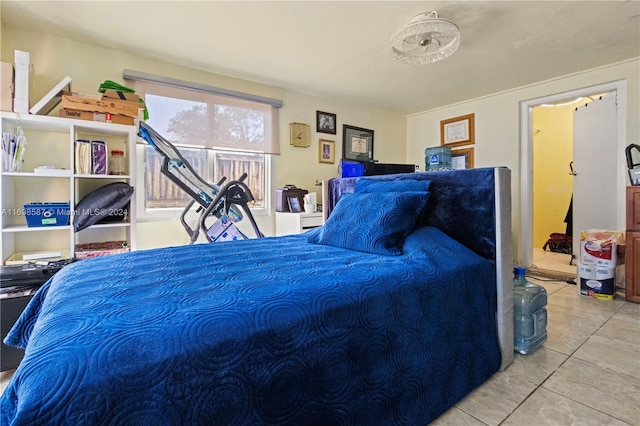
pixel 489 234
pixel 284 341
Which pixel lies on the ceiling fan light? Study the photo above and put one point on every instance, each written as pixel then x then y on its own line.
pixel 425 39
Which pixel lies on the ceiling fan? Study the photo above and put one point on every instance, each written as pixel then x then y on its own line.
pixel 425 39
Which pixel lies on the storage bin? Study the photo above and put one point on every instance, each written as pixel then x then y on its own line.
pixel 351 168
pixel 47 214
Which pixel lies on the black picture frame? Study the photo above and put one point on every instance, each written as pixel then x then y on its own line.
pixel 357 144
pixel 294 205
pixel 326 122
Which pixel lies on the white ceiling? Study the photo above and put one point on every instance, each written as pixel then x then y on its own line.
pixel 339 49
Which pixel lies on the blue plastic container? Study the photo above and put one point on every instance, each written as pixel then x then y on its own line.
pixel 437 158
pixel 529 313
pixel 351 168
pixel 47 214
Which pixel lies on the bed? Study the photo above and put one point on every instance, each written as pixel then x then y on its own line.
pixel 283 330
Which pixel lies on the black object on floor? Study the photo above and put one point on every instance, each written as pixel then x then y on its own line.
pixel 18 284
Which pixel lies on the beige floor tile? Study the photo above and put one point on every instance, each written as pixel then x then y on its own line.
pixel 623 328
pixel 569 298
pixel 550 286
pixel 630 311
pixel 544 407
pixel 492 402
pixel 536 367
pixel 585 321
pixel 554 261
pixel 456 417
pixel 623 357
pixel 539 254
pixel 564 338
pixel 600 388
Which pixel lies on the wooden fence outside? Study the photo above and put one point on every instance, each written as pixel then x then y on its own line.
pixel 160 192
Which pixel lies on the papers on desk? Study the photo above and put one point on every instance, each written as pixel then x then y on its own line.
pixel 13 148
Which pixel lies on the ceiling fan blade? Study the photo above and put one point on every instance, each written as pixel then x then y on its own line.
pixel 416 50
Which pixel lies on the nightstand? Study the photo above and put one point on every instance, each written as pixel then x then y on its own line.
pixel 296 223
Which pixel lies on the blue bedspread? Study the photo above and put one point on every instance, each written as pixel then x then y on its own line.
pixel 264 331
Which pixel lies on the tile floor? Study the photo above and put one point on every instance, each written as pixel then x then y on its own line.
pixel 549 263
pixel 586 373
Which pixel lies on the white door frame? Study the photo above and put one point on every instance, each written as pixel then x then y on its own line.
pixel 525 248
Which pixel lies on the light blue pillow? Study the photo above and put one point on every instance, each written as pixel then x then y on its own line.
pixel 375 222
pixel 384 185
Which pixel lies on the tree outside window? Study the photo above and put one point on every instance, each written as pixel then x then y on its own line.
pixel 216 139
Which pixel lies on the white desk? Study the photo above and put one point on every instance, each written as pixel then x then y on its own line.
pixel 296 223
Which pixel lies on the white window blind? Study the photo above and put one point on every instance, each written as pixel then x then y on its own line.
pixel 206 117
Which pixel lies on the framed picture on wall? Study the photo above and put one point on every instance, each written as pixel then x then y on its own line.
pixel 326 151
pixel 462 158
pixel 326 122
pixel 357 143
pixel 458 131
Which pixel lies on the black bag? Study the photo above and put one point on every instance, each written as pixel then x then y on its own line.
pixel 559 243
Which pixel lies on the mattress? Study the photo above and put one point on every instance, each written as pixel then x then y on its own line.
pixel 262 331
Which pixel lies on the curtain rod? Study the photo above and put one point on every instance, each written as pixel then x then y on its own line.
pixel 151 78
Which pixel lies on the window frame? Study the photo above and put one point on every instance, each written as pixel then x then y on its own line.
pixel 170 213
pixel 173 213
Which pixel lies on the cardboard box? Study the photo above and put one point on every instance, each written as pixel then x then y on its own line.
pixel 97 116
pixel 123 96
pixel 6 86
pixel 110 106
pixel 597 281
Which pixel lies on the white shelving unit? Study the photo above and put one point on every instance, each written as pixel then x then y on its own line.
pixel 50 141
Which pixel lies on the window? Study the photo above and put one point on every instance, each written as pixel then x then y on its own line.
pixel 212 165
pixel 220 136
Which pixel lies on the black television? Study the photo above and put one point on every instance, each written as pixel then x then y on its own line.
pixel 371 169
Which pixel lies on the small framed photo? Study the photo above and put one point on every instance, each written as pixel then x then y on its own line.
pixel 294 204
pixel 326 151
pixel 357 144
pixel 462 158
pixel 326 122
pixel 458 131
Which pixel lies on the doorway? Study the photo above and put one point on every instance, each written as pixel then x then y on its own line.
pixel 553 188
pixel 527 141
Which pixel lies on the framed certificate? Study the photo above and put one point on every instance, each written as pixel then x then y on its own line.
pixel 357 144
pixel 458 131
pixel 462 158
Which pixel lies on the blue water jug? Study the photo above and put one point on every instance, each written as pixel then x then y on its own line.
pixel 529 313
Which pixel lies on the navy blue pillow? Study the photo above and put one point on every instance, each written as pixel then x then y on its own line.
pixel 98 204
pixel 401 185
pixel 375 222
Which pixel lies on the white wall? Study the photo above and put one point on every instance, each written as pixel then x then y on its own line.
pixel 497 126
pixel 89 65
